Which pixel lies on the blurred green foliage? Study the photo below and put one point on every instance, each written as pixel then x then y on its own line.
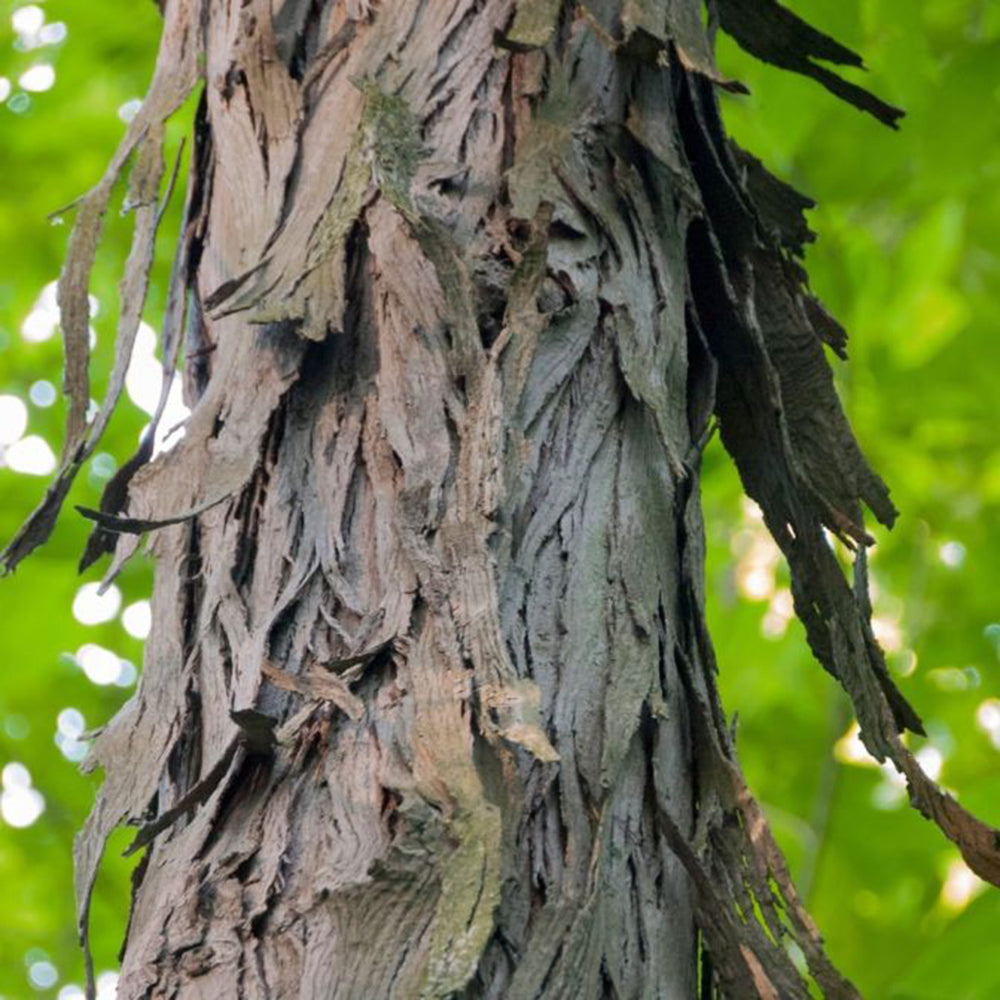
pixel 907 259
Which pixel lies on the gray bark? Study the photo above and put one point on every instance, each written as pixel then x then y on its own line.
pixel 428 708
pixel 465 472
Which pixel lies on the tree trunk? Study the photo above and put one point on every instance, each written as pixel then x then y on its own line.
pixel 445 338
pixel 428 705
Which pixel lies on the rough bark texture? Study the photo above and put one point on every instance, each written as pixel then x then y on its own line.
pixel 428 707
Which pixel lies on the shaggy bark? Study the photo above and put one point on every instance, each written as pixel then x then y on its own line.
pixel 428 706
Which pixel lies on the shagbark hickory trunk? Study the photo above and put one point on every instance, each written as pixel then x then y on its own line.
pixel 428 705
pixel 457 379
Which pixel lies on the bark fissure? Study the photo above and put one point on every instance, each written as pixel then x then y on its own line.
pixel 428 708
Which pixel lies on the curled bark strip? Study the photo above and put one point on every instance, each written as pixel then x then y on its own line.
pixel 317 685
pixel 139 526
pixel 773 33
pixel 782 423
pixel 256 736
pixel 256 730
pixel 660 32
pixel 780 417
pixel 114 498
pixel 175 75
pixel 198 795
pixel 978 842
pixel 196 476
pixel 653 32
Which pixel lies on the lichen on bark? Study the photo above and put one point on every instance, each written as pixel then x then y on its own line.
pixel 428 708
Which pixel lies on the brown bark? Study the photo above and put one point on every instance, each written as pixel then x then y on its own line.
pixel 428 706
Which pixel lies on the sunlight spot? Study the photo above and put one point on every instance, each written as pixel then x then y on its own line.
pixel 952 554
pixel 38 78
pixel 19 103
pixel 773 626
pixel 931 760
pixel 28 19
pixel 137 619
pixel 907 663
pixel 71 992
pixel 779 613
pixel 13 419
pixel 103 465
pixel 127 674
pixel 783 604
pixel 31 456
pixel 757 559
pixel 130 109
pixel 20 805
pixel 887 605
pixel 888 633
pixel 741 540
pixel 107 986
pixel 70 723
pixel 953 680
pixel 52 34
pixel 4 88
pixel 91 607
pixel 43 975
pixel 15 775
pixel 99 664
pixel 145 375
pixel 850 750
pixel 175 413
pixel 892 776
pixel 988 720
pixel 41 323
pixel 73 750
pixel 143 383
pixel 890 792
pixel 42 393
pixel 756 583
pixel 961 886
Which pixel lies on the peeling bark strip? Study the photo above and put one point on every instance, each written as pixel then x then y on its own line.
pixel 175 76
pixel 428 708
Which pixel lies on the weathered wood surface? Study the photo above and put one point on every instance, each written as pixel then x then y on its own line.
pixel 428 708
